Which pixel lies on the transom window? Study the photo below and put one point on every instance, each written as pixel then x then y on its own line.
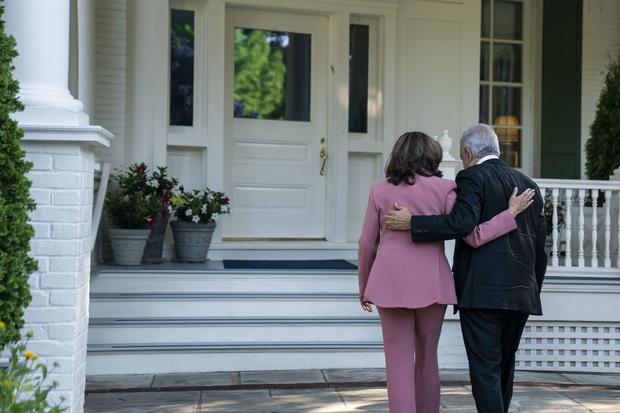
pixel 501 74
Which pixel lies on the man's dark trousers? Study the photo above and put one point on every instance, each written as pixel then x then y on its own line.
pixel 491 340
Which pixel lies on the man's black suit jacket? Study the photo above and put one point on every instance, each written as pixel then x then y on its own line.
pixel 506 273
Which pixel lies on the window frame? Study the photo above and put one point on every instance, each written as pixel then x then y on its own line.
pixel 374 91
pixel 192 135
pixel 526 150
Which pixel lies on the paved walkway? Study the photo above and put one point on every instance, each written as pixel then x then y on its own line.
pixel 337 390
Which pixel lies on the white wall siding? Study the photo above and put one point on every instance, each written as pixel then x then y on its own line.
pixel 601 38
pixel 110 82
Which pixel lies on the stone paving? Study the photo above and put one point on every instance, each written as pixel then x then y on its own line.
pixel 338 390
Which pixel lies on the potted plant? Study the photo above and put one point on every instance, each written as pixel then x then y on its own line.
pixel 195 212
pixel 160 186
pixel 131 209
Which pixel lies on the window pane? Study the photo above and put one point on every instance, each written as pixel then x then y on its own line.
pixel 484 104
pixel 510 146
pixel 507 20
pixel 506 62
pixel 181 67
pixel 484 61
pixel 485 29
pixel 272 75
pixel 358 78
pixel 506 102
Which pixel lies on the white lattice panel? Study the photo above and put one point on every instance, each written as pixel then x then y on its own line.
pixel 566 346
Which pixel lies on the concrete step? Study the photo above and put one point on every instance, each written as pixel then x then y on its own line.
pixel 149 360
pixel 105 305
pixel 236 330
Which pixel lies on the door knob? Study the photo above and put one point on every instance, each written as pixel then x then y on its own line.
pixel 323 155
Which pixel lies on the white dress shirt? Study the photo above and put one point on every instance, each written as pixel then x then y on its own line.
pixel 486 158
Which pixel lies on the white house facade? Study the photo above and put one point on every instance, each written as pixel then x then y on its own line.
pixel 291 107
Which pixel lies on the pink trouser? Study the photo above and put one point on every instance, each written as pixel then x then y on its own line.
pixel 412 381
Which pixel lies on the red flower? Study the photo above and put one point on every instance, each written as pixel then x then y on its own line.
pixel 164 198
pixel 163 213
pixel 141 169
pixel 224 201
pixel 151 220
pixel 181 189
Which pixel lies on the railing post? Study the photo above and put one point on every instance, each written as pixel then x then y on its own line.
pixel 554 233
pixel 580 254
pixel 607 256
pixel 568 222
pixel 594 228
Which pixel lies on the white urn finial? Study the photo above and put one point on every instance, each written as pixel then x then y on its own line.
pixel 446 143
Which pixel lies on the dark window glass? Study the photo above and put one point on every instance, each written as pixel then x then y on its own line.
pixel 484 104
pixel 507 20
pixel 485 63
pixel 181 67
pixel 485 23
pixel 358 78
pixel 506 62
pixel 506 103
pixel 272 75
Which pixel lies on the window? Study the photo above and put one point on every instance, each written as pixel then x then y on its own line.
pixel 358 77
pixel 272 75
pixel 181 67
pixel 501 77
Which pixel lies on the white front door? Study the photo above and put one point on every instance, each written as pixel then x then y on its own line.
pixel 279 116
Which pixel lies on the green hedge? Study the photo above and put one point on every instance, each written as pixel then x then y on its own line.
pixel 15 202
pixel 603 146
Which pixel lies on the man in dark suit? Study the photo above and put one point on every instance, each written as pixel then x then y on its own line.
pixel 498 284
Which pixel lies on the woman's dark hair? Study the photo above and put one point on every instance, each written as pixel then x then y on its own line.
pixel 413 153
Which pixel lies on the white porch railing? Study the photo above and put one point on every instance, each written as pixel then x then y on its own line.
pixel 585 231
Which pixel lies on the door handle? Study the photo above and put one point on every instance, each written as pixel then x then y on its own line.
pixel 323 155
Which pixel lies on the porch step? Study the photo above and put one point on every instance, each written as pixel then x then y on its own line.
pixel 180 318
pixel 223 305
pixel 240 331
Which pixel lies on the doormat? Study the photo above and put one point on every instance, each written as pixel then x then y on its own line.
pixel 289 265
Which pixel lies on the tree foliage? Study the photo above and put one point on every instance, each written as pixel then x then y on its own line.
pixel 259 73
pixel 603 146
pixel 15 202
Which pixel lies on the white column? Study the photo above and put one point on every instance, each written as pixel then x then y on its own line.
pixel 60 143
pixel 41 29
pixel 148 39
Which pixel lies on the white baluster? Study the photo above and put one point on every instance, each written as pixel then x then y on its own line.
pixel 594 228
pixel 618 223
pixel 568 219
pixel 581 200
pixel 607 256
pixel 554 231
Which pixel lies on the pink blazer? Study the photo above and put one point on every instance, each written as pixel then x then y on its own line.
pixel 396 272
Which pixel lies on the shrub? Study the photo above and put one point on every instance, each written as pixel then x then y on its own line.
pixel 603 146
pixel 15 202
pixel 22 387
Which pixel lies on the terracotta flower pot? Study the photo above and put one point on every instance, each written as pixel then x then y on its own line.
pixel 191 241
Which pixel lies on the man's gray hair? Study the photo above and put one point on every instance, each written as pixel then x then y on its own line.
pixel 481 140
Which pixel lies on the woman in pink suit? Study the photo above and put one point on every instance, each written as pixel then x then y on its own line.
pixel 411 283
